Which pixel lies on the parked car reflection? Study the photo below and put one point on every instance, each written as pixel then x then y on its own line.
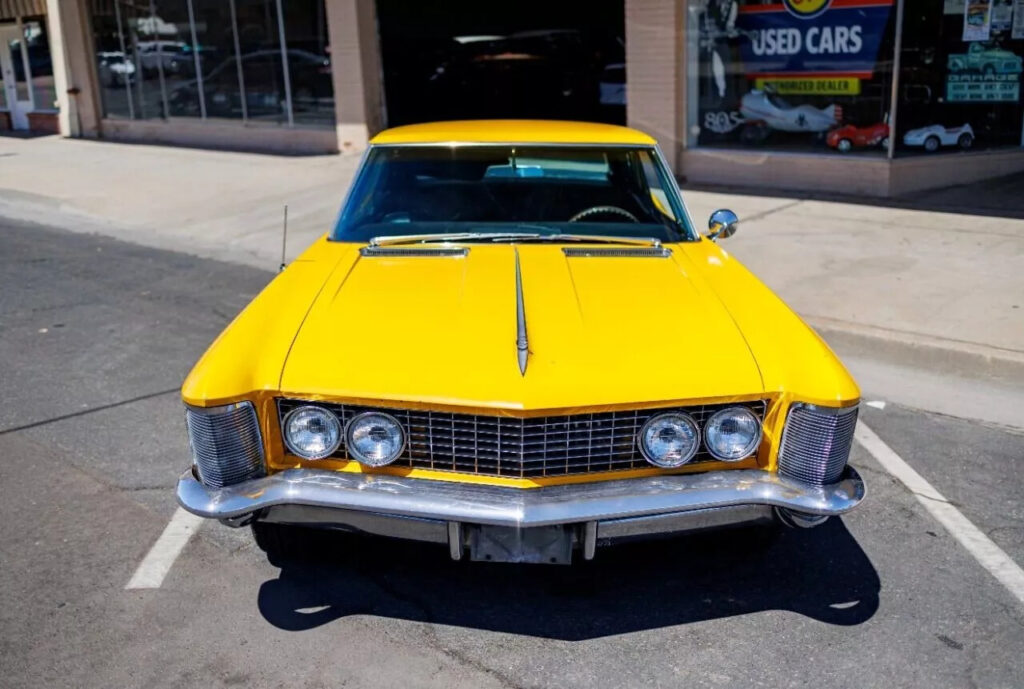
pixel 264 95
pixel 115 69
pixel 156 54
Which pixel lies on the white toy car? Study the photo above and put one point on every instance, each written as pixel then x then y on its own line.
pixel 935 135
pixel 777 114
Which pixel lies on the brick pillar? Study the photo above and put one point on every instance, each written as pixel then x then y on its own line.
pixel 355 67
pixel 655 70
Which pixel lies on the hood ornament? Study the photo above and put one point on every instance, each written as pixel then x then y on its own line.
pixel 522 344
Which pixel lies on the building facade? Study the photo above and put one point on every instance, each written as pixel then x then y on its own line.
pixel 874 97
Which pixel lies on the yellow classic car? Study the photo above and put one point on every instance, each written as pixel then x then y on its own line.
pixel 514 342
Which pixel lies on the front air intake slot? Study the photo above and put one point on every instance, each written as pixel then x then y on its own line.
pixel 816 443
pixel 617 252
pixel 226 443
pixel 383 251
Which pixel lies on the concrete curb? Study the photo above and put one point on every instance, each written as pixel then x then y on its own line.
pixel 921 351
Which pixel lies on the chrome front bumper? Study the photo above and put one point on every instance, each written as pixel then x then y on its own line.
pixel 438 511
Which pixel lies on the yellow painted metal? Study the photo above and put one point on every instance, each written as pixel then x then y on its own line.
pixel 442 331
pixel 246 358
pixel 439 333
pixel 513 131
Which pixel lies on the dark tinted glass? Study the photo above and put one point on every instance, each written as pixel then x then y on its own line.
pixel 610 191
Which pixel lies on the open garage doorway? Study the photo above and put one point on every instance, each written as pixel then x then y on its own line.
pixel 463 59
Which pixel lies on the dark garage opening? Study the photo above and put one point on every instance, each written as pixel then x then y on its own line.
pixel 459 59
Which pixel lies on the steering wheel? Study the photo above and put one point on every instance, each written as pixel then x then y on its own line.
pixel 599 210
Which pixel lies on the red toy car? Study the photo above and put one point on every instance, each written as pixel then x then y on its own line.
pixel 846 137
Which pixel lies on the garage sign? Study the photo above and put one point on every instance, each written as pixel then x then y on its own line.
pixel 824 38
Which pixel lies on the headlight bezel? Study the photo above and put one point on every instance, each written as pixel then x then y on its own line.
pixel 753 446
pixel 329 449
pixel 660 463
pixel 355 454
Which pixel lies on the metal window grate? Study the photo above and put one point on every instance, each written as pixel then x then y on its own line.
pixel 816 443
pixel 521 448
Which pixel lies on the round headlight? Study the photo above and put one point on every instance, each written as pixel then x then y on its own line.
pixel 312 432
pixel 669 440
pixel 375 439
pixel 732 434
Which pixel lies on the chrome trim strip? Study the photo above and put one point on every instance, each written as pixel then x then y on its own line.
pixel 694 520
pixel 522 343
pixel 448 238
pixel 412 528
pixel 500 506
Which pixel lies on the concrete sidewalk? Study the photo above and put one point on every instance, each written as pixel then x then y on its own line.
pixel 930 284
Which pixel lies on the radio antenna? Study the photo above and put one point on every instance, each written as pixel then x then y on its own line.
pixel 284 237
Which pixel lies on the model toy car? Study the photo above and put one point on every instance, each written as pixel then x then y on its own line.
pixel 515 343
pixel 935 135
pixel 985 60
pixel 777 113
pixel 846 137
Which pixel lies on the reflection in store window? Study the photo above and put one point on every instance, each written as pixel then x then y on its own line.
pixel 215 59
pixel 40 65
pixel 797 75
pixel 262 65
pixel 960 74
pixel 309 65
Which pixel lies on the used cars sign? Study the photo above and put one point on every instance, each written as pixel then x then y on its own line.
pixel 813 37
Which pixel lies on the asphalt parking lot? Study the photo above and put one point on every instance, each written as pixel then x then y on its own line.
pixel 95 338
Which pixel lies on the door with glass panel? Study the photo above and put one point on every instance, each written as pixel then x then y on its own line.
pixel 14 68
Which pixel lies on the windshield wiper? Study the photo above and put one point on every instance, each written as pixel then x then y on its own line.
pixel 511 237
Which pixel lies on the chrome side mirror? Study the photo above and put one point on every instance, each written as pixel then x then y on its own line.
pixel 723 223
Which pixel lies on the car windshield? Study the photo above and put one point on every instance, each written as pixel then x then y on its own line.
pixel 438 189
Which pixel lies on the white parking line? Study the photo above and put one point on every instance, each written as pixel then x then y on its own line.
pixel 158 561
pixel 987 553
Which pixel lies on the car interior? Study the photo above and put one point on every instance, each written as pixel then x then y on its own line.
pixel 506 185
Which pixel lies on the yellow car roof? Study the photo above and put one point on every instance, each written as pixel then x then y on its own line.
pixel 513 131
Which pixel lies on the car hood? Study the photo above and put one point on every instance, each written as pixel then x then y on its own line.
pixel 442 330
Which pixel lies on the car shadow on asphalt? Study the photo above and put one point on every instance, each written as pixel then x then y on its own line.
pixel 822 573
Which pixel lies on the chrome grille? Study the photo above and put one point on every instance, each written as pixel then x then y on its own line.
pixel 522 448
pixel 226 444
pixel 816 443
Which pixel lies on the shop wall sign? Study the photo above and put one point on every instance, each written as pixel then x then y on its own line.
pixel 977 20
pixel 1018 20
pixel 983 73
pixel 811 45
pixel 1002 15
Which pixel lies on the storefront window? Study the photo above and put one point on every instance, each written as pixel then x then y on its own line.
pixel 262 62
pixel 40 64
pixel 800 75
pixel 309 64
pixel 216 59
pixel 960 74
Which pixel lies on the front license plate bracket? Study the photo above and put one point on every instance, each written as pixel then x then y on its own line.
pixel 538 545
